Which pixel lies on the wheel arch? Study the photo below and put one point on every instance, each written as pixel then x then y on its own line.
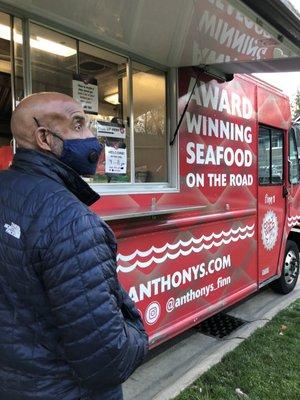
pixel 294 235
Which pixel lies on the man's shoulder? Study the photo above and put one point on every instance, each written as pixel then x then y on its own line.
pixel 38 195
pixel 20 181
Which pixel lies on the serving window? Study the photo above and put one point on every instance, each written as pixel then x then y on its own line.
pixel 107 109
pixel 125 103
pixel 149 108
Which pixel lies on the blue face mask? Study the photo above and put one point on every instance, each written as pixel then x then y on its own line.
pixel 80 154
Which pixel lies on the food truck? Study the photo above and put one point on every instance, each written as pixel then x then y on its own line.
pixel 199 176
pixel 232 225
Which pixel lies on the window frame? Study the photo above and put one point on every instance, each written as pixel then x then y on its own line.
pixel 172 185
pixel 270 131
pixel 173 179
pixel 292 134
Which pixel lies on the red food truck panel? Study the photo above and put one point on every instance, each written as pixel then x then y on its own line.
pixel 218 142
pixel 6 156
pixel 273 108
pixel 182 266
pixel 181 274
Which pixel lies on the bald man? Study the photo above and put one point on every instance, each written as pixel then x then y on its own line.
pixel 67 329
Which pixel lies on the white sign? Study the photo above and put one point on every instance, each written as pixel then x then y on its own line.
pixel 110 130
pixel 87 95
pixel 269 230
pixel 115 160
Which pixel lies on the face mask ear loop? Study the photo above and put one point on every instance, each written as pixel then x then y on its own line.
pixel 55 135
pixel 49 130
pixel 37 122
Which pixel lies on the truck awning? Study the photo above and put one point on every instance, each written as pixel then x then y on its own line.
pixel 179 33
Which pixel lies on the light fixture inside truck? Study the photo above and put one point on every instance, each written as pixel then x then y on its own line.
pixel 39 43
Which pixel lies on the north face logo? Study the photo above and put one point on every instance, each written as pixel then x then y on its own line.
pixel 13 230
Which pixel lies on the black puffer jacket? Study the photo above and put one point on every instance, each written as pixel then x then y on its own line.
pixel 67 329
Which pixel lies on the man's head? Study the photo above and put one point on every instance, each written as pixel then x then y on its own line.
pixel 55 123
pixel 40 114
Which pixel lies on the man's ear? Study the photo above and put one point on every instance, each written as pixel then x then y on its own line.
pixel 43 139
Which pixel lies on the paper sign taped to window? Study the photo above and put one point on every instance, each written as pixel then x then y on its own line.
pixel 115 160
pixel 109 129
pixel 86 92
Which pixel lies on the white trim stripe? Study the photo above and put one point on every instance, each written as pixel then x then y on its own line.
pixel 295 220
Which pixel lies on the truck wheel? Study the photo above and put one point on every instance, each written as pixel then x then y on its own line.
pixel 290 270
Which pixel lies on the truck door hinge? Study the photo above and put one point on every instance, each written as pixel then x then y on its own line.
pixel 285 191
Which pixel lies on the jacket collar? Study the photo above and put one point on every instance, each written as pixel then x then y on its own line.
pixel 38 163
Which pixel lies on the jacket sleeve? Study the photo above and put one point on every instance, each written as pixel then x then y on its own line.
pixel 102 343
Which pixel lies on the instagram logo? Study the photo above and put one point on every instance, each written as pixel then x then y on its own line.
pixel 152 313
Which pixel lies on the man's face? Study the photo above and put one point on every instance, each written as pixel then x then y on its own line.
pixel 67 120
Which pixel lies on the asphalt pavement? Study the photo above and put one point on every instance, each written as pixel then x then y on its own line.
pixel 176 364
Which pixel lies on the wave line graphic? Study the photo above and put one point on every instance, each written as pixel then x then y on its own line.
pixel 168 246
pixel 183 252
pixel 292 221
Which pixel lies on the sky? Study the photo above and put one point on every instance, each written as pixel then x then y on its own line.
pixel 296 4
pixel 288 82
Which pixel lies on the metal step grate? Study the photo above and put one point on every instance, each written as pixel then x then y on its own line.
pixel 220 325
